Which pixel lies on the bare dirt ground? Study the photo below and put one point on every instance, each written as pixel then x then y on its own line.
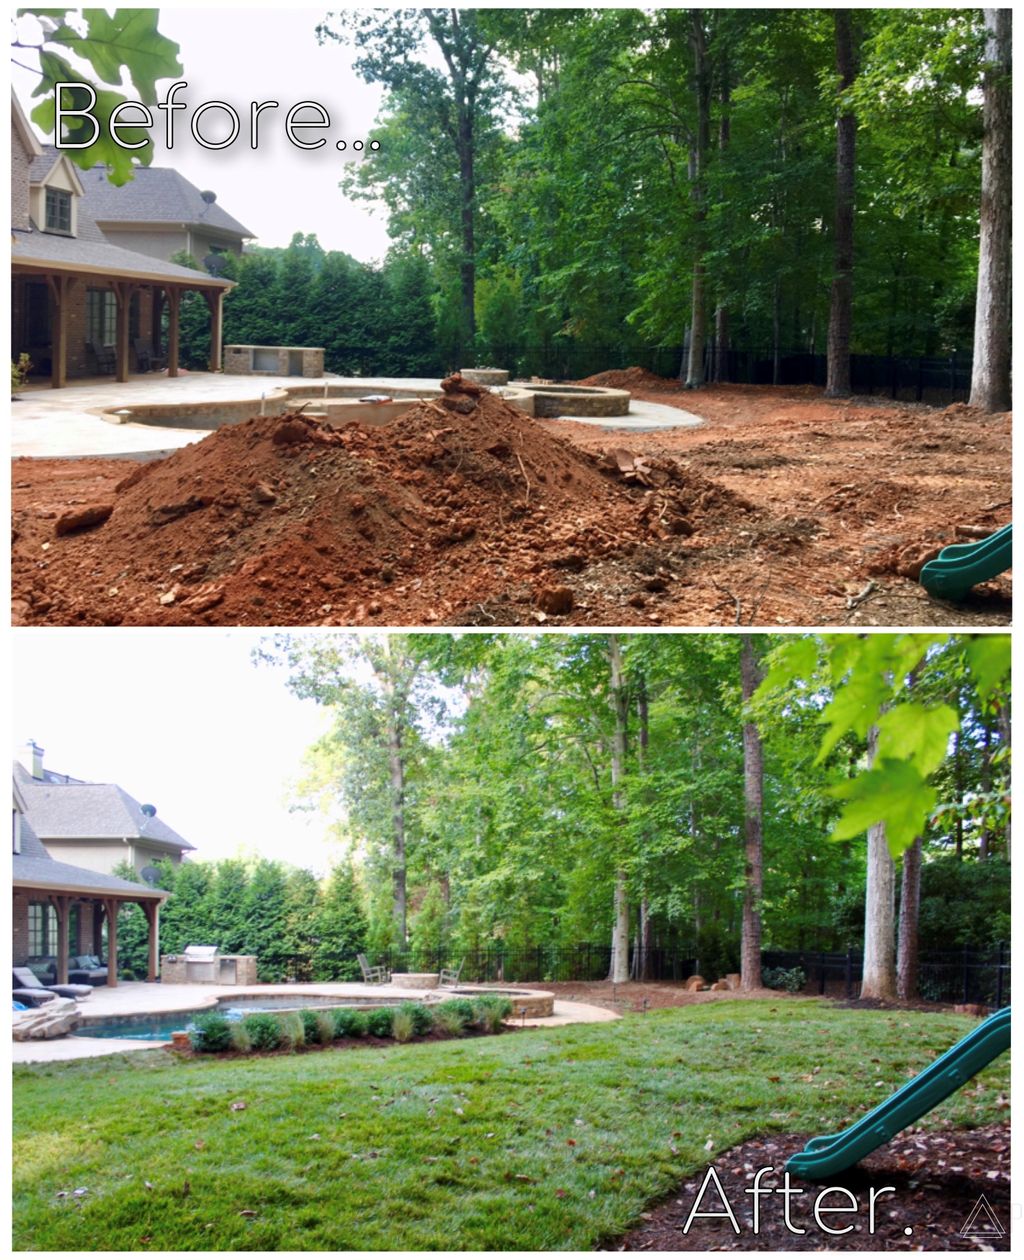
pixel 784 509
pixel 650 995
pixel 938 1178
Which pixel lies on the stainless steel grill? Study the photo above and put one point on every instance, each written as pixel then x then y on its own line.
pixel 202 964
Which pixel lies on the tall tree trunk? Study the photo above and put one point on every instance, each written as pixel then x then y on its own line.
pixel 910 907
pixel 990 375
pixel 840 323
pixel 396 766
pixel 1003 721
pixel 724 135
pixel 467 265
pixel 702 91
pixel 879 979
pixel 985 839
pixel 641 967
pixel 753 824
pixel 618 973
pixel 958 790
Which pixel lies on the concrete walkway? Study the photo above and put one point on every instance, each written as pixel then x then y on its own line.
pixel 138 999
pixel 644 417
pixel 64 422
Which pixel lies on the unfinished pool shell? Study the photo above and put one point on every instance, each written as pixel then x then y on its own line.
pixel 333 404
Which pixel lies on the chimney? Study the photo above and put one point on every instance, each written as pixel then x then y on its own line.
pixel 31 757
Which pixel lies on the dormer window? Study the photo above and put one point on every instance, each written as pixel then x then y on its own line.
pixel 58 211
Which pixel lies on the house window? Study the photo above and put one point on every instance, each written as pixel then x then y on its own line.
pixel 42 929
pixel 58 211
pixel 101 317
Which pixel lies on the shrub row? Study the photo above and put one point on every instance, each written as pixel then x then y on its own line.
pixel 213 1033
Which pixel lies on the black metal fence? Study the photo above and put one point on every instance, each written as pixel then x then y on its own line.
pixel 542 962
pixel 947 975
pixel 909 378
pixel 954 975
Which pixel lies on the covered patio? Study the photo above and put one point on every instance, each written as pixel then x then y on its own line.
pixel 61 910
pixel 81 307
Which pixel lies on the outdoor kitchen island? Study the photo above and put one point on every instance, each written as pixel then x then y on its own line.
pixel 205 964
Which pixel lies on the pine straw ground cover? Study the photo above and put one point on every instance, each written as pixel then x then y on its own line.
pixel 547 1139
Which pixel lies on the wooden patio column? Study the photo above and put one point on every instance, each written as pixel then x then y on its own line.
pixel 215 301
pixel 173 305
pixel 156 332
pixel 123 294
pixel 59 286
pixel 97 928
pixel 152 909
pixel 111 904
pixel 62 905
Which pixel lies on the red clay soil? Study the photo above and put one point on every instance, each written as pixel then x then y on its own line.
pixel 938 1179
pixel 284 520
pixel 784 508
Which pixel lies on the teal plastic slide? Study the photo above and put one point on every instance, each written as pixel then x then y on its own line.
pixel 956 569
pixel 826 1156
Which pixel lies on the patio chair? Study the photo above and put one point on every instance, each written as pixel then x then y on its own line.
pixel 26 981
pixel 104 356
pixel 145 358
pixel 449 976
pixel 373 975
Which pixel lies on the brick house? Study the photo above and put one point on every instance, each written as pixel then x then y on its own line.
pixel 91 278
pixel 68 836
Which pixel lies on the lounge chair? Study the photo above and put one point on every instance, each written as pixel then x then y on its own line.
pixel 33 997
pixel 373 975
pixel 449 976
pixel 26 981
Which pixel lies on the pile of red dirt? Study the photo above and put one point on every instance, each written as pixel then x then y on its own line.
pixel 283 520
pixel 633 378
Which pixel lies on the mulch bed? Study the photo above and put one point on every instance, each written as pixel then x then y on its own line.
pixel 938 1177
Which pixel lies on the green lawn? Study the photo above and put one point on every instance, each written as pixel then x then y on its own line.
pixel 538 1140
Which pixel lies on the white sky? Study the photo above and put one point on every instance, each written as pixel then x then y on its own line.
pixel 240 54
pixel 181 719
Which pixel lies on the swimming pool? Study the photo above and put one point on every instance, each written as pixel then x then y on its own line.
pixel 160 1025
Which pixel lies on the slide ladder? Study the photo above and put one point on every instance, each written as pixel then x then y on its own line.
pixel 956 569
pixel 825 1156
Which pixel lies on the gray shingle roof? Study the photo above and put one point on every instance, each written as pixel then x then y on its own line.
pixel 90 811
pixel 83 251
pixel 156 194
pixel 33 866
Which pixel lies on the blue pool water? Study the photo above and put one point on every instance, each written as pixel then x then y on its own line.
pixel 159 1027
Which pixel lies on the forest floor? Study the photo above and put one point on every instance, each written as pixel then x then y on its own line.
pixel 784 508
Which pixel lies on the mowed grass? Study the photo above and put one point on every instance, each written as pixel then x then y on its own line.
pixel 538 1140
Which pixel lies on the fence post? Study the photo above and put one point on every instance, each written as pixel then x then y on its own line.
pixel 920 378
pixel 966 977
pixel 821 974
pixel 849 974
pixel 952 393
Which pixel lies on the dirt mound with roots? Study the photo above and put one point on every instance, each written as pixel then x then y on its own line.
pixel 284 520
pixel 633 378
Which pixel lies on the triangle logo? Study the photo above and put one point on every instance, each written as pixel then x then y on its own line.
pixel 982 1222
